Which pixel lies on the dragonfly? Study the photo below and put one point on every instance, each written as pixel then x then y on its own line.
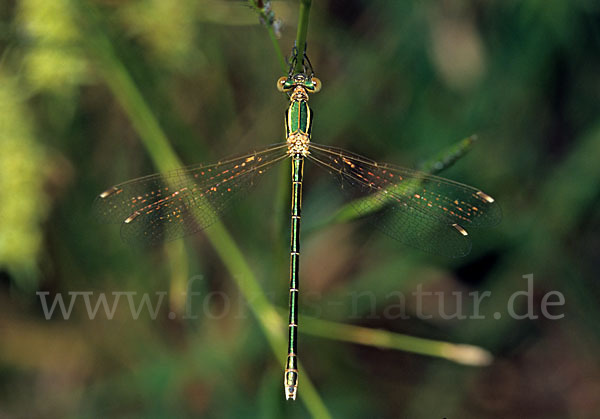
pixel 416 208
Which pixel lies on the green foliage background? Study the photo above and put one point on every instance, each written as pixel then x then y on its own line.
pixel 96 92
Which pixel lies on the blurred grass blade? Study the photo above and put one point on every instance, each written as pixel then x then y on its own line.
pixel 459 353
pixel 447 157
pixel 24 205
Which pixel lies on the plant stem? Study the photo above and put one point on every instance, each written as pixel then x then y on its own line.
pixel 265 19
pixel 301 33
pixel 459 353
pixel 278 52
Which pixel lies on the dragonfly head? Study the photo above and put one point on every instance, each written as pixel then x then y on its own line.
pixel 311 84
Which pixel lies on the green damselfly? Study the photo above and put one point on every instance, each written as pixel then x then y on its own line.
pixel 416 208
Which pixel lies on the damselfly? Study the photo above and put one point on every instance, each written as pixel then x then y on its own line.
pixel 421 210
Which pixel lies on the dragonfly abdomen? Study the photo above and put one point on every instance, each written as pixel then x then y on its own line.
pixel 290 377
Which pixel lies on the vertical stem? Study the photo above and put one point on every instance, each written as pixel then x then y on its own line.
pixel 260 9
pixel 278 52
pixel 302 32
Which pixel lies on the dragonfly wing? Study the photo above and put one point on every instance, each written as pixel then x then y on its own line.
pixel 418 209
pixel 164 207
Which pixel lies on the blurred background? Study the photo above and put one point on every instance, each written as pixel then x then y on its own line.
pixel 88 88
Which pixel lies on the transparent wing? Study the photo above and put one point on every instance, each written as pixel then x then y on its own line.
pixel 164 207
pixel 424 211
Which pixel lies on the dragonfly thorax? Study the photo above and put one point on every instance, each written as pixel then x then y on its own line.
pixel 299 94
pixel 298 117
pixel 298 143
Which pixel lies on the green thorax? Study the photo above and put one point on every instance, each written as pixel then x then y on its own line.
pixel 298 118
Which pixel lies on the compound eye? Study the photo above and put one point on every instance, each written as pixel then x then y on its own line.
pixel 281 84
pixel 316 84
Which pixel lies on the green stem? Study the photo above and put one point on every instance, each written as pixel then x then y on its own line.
pixel 301 33
pixel 459 353
pixel 271 31
pixel 278 52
